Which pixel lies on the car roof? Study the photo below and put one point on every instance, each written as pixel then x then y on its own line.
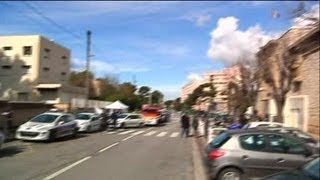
pixel 263 122
pixel 87 113
pixel 253 130
pixel 56 113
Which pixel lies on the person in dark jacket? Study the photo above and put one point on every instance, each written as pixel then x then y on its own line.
pixel 185 125
pixel 195 124
pixel 114 117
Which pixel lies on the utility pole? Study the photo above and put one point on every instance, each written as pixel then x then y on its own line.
pixel 88 67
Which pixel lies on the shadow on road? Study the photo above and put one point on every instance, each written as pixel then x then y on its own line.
pixel 11 151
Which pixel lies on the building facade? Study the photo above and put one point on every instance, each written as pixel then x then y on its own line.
pixel 34 68
pixel 220 80
pixel 302 101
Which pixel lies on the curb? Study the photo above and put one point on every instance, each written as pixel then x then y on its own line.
pixel 200 171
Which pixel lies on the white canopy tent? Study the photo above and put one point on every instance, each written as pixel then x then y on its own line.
pixel 118 105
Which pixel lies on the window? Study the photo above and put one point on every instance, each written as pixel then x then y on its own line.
pixel 46 69
pixel 26 66
pixel 27 50
pixel 253 142
pixel 219 141
pixel 7 48
pixel 63 73
pixel 6 67
pixel 64 57
pixel 282 144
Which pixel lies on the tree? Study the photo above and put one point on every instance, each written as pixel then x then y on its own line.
pixel 157 97
pixel 177 105
pixel 168 103
pixel 242 91
pixel 203 91
pixel 144 91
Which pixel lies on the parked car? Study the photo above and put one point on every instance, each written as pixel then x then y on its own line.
pixel 262 124
pixel 48 126
pixel 254 153
pixel 88 122
pixel 2 138
pixel 129 120
pixel 309 171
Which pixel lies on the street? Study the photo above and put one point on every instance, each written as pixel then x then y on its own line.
pixel 135 153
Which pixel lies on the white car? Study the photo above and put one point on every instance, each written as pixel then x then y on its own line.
pixel 48 126
pixel 88 122
pixel 2 138
pixel 262 124
pixel 129 120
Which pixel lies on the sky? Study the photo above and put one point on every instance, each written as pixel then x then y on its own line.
pixel 162 44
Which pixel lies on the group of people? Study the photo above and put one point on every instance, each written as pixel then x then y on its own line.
pixel 114 117
pixel 185 125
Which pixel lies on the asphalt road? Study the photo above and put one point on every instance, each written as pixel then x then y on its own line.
pixel 135 153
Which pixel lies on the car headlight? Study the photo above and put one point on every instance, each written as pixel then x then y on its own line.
pixel 84 123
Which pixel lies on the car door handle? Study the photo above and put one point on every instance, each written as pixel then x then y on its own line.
pixel 245 157
pixel 280 160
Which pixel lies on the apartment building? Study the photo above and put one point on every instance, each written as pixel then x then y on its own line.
pixel 220 80
pixel 302 101
pixel 34 68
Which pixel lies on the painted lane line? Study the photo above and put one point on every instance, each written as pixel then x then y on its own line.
pixel 129 137
pixel 175 134
pixel 127 132
pixel 111 132
pixel 66 168
pixel 150 133
pixel 162 134
pixel 137 133
pixel 108 147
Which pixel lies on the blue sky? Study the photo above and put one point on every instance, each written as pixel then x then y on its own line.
pixel 162 44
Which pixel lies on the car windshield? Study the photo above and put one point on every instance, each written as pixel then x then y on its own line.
pixel 83 116
pixel 312 168
pixel 122 116
pixel 219 141
pixel 44 118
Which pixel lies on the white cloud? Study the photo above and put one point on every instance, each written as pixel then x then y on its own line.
pixel 199 20
pixel 229 44
pixel 170 92
pixel 194 76
pixel 101 68
pixel 302 21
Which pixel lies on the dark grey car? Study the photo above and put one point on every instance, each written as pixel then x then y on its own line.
pixel 244 154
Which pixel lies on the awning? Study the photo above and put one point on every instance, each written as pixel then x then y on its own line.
pixel 48 86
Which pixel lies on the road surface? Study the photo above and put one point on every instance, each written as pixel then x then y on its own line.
pixel 135 153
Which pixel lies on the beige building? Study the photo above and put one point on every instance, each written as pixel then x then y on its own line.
pixel 220 80
pixel 302 101
pixel 34 68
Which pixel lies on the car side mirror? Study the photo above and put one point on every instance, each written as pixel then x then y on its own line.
pixel 60 122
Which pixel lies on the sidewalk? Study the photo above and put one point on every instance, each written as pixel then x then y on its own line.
pixel 200 169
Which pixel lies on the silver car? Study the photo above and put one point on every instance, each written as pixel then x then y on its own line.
pixel 253 153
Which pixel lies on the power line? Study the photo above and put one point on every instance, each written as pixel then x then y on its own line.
pixel 34 9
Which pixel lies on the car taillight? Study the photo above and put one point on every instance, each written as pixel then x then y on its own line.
pixel 216 154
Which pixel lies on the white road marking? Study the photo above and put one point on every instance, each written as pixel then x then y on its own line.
pixel 150 133
pixel 108 147
pixel 127 132
pixel 175 134
pixel 127 138
pixel 137 133
pixel 162 134
pixel 112 132
pixel 66 168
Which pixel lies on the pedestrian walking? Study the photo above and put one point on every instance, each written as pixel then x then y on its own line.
pixel 195 124
pixel 185 125
pixel 114 117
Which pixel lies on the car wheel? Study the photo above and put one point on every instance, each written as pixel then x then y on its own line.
pixel 230 174
pixel 140 125
pixel 123 125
